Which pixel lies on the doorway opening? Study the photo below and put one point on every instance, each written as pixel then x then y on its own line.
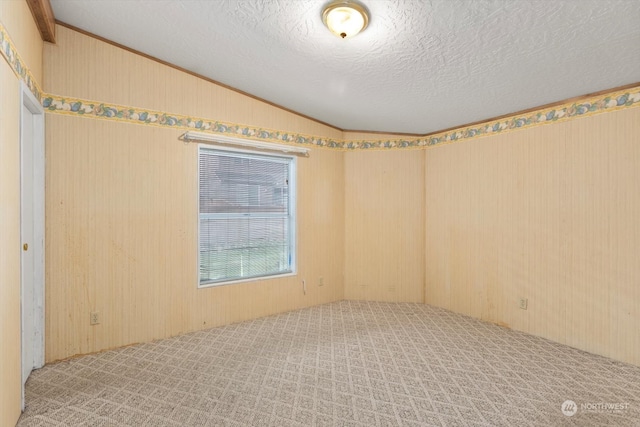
pixel 32 162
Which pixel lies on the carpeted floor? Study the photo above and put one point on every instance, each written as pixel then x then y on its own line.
pixel 340 364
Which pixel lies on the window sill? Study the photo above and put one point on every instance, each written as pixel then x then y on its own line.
pixel 250 279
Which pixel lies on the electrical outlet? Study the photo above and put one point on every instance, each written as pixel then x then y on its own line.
pixel 94 318
pixel 321 281
pixel 523 303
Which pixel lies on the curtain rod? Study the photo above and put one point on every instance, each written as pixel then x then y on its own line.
pixel 249 143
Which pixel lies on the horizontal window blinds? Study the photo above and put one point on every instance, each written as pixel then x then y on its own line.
pixel 246 228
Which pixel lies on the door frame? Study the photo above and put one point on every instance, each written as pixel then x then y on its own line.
pixel 28 100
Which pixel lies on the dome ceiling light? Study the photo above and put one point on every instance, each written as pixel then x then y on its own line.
pixel 345 18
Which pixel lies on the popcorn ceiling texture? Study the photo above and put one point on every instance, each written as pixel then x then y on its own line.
pixel 420 66
pixel 348 363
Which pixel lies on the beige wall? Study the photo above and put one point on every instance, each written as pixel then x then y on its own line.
pixel 384 223
pixel 16 18
pixel 122 208
pixel 84 67
pixel 9 246
pixel 549 214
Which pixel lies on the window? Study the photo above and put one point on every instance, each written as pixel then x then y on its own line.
pixel 247 215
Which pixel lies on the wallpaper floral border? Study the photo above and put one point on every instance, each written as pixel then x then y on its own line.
pixel 99 110
pixel 57 104
pixel 604 103
pixel 10 54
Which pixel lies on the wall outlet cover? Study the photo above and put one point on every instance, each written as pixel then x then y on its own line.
pixel 94 318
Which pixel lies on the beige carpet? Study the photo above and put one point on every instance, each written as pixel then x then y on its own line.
pixel 341 364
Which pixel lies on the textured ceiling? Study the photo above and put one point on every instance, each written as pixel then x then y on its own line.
pixel 420 66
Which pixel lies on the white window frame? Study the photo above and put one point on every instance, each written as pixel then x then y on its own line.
pixel 292 159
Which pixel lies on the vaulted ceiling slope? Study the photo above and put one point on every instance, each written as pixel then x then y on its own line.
pixel 421 66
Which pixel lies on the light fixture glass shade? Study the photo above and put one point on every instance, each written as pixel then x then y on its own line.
pixel 345 18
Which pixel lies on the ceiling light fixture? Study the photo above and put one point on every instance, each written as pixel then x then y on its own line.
pixel 345 18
